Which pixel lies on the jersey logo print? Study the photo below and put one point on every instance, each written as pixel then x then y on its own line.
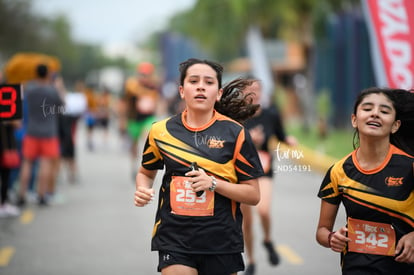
pixel 392 181
pixel 215 143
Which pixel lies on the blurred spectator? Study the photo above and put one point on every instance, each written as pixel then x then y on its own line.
pixel 263 126
pixel 44 102
pixel 175 104
pixel 7 141
pixel 141 98
pixel 57 82
pixel 75 108
pixel 103 111
pixel 90 115
pixel 19 133
pixel 121 111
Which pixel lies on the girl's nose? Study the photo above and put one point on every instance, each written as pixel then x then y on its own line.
pixel 200 86
pixel 375 112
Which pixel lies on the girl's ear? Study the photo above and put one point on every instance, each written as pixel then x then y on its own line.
pixel 219 94
pixel 395 126
pixel 181 91
pixel 353 121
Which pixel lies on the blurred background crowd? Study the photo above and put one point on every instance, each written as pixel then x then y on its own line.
pixel 312 58
pixel 112 66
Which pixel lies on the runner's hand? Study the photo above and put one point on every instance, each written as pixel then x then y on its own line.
pixel 143 196
pixel 339 240
pixel 199 180
pixel 405 249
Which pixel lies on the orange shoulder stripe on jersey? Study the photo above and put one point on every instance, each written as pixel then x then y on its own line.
pixel 220 116
pixel 239 144
pixel 392 151
pixel 244 160
pixel 242 172
pixel 401 217
pixel 396 150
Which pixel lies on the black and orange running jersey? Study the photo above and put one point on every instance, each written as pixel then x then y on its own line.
pixel 223 149
pixel 384 194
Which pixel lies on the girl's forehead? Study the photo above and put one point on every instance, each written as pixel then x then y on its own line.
pixel 201 70
pixel 374 97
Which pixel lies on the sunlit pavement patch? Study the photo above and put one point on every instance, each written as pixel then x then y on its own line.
pixel 289 255
pixel 27 216
pixel 6 253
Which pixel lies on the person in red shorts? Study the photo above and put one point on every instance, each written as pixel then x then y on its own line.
pixel 44 103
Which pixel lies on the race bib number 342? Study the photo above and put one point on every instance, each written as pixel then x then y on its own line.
pixel 371 237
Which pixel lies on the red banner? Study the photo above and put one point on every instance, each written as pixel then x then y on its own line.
pixel 391 29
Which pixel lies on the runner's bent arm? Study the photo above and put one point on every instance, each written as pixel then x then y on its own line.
pixel 144 181
pixel 245 192
pixel 326 223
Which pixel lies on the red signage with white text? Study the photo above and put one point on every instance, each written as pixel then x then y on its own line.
pixel 391 29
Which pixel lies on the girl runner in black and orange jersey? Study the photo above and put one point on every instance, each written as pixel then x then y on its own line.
pixel 201 234
pixel 375 183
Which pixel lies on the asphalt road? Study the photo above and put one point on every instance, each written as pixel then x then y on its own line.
pixel 95 229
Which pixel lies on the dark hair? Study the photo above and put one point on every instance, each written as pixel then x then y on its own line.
pixel 192 61
pixel 403 103
pixel 41 71
pixel 233 103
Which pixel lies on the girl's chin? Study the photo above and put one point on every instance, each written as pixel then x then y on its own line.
pixel 200 107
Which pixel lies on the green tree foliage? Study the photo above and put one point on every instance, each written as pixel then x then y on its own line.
pixel 210 24
pixel 219 26
pixel 18 28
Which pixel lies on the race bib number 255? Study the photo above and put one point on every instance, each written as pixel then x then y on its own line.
pixel 371 237
pixel 185 202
